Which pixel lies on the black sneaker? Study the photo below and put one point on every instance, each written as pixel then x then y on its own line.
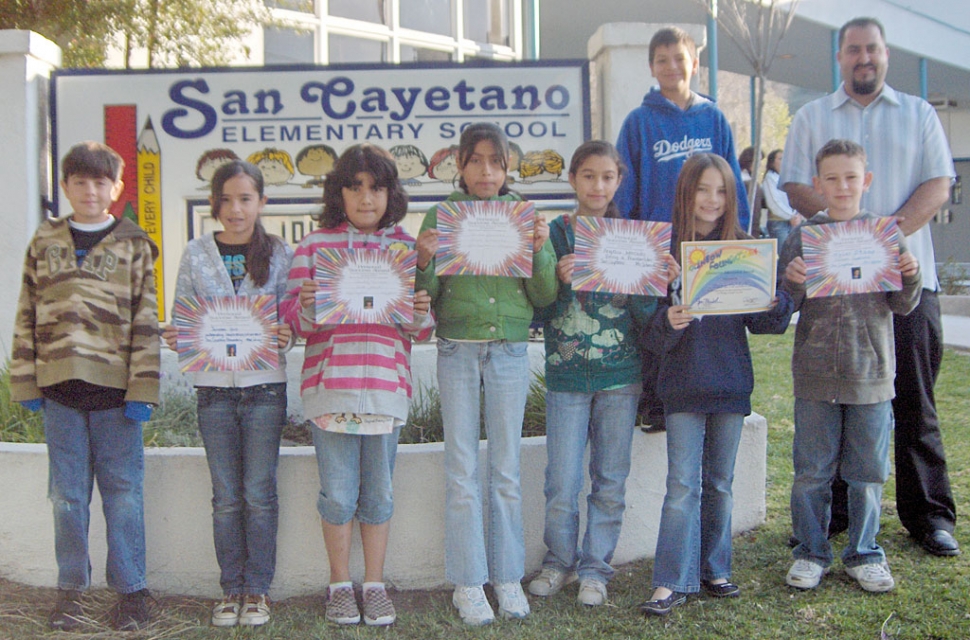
pixel 67 612
pixel 131 612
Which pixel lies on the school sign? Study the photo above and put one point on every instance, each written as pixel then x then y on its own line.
pixel 175 127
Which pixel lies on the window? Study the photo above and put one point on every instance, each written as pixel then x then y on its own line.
pixel 287 46
pixel 488 21
pixel 350 49
pixel 433 16
pixel 367 10
pixel 417 54
pixel 303 6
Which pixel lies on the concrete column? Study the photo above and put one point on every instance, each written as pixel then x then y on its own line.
pixel 26 62
pixel 619 54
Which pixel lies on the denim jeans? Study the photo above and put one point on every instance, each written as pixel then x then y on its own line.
pixel 695 526
pixel 241 429
pixel 779 230
pixel 82 446
pixel 855 440
pixel 474 555
pixel 606 420
pixel 355 476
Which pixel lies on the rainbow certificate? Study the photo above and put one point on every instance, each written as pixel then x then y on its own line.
pixel 226 333
pixel 856 256
pixel 365 286
pixel 485 238
pixel 621 256
pixel 732 276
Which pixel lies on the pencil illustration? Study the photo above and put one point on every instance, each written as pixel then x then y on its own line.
pixel 150 201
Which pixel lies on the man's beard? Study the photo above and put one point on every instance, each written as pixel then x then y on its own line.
pixel 864 87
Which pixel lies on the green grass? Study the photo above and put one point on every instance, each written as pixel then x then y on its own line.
pixel 931 600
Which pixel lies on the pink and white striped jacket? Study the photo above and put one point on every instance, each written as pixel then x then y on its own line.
pixel 351 368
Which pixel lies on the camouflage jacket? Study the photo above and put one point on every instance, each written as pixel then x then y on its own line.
pixel 96 322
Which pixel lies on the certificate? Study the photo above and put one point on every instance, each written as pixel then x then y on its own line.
pixel 621 256
pixel 231 333
pixel 731 276
pixel 365 286
pixel 485 238
pixel 856 256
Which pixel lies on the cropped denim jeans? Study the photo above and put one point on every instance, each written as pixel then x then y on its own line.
pixel 853 439
pixel 604 419
pixel 82 446
pixel 490 547
pixel 694 543
pixel 241 428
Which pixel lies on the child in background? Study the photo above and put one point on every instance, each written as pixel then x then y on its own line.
pixel 706 380
pixel 241 413
pixel 483 329
pixel 356 385
pixel 844 366
pixel 593 382
pixel 86 351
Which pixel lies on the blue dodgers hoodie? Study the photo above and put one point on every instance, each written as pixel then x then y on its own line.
pixel 655 141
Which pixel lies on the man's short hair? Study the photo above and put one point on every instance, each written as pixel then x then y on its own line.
pixel 92 160
pixel 861 23
pixel 672 36
pixel 839 147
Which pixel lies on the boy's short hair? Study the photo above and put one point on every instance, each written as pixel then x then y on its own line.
pixel 672 36
pixel 839 147
pixel 861 23
pixel 92 160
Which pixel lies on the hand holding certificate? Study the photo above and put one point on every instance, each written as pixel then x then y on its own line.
pixel 485 238
pixel 621 256
pixel 365 286
pixel 732 276
pixel 856 256
pixel 226 333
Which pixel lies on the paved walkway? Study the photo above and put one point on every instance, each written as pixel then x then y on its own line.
pixel 956 332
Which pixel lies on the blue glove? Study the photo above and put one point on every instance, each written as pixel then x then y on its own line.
pixel 36 404
pixel 138 411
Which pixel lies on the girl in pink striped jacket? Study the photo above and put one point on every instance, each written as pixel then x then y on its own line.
pixel 356 384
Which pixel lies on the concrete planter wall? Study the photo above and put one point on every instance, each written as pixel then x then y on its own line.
pixel 179 530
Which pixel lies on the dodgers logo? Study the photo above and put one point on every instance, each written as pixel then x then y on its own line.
pixel 665 150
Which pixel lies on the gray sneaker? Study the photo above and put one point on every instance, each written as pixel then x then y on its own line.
pixel 512 602
pixel 874 577
pixel 472 606
pixel 592 592
pixel 550 580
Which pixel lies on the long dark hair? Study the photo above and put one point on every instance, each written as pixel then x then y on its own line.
pixel 362 158
pixel 476 133
pixel 690 176
pixel 598 148
pixel 771 161
pixel 261 245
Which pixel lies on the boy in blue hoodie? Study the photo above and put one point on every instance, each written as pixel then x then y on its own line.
pixel 656 139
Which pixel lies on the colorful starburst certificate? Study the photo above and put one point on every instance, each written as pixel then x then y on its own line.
pixel 365 286
pixel 621 256
pixel 485 238
pixel 226 333
pixel 731 276
pixel 856 256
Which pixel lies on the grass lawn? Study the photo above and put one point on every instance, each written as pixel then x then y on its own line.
pixel 931 600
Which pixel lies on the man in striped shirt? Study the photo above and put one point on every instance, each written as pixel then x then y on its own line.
pixel 912 167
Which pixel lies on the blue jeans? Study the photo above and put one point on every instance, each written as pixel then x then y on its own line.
pixel 853 439
pixel 241 429
pixel 355 476
pixel 82 446
pixel 502 370
pixel 606 420
pixel 694 543
pixel 779 230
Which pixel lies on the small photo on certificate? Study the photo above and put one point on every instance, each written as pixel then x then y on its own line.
pixel 485 238
pixel 855 256
pixel 621 256
pixel 727 277
pixel 232 333
pixel 365 286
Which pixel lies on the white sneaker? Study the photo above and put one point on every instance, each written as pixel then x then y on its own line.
pixel 472 606
pixel 805 574
pixel 873 577
pixel 512 602
pixel 549 581
pixel 592 592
